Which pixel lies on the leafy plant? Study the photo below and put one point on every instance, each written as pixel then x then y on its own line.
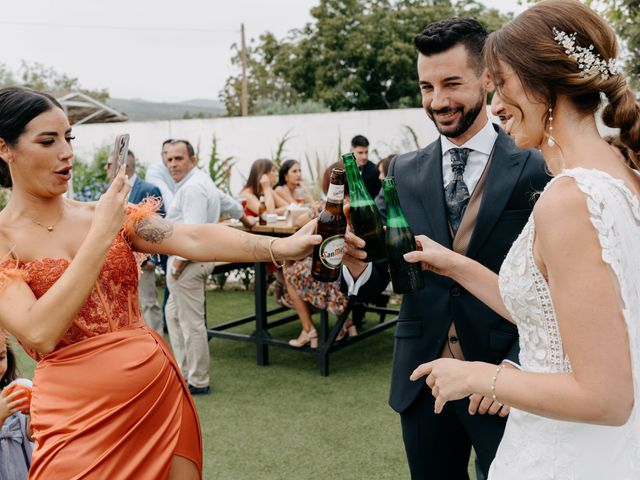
pixel 220 168
pixel 414 136
pixel 278 156
pixel 246 277
pixel 90 179
pixel 4 197
pixel 220 279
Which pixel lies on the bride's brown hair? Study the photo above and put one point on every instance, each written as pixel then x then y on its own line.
pixel 527 44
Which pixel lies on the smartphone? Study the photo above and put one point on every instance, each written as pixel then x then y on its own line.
pixel 119 155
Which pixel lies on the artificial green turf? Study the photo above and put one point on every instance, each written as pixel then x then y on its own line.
pixel 285 421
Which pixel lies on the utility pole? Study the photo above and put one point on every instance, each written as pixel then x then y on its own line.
pixel 244 96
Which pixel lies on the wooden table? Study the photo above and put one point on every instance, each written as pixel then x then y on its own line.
pixel 261 336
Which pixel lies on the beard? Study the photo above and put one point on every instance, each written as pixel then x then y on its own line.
pixel 467 117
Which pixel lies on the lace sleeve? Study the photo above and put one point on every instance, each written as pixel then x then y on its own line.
pixel 137 213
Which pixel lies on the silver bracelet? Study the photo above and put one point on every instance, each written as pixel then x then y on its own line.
pixel 493 384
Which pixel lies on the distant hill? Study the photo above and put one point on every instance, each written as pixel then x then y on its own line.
pixel 139 110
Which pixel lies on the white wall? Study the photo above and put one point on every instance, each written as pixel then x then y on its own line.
pixel 250 138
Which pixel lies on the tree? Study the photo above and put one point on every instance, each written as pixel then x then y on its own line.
pixel 624 17
pixel 354 54
pixel 39 77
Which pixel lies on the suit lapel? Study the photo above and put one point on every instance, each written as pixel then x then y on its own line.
pixel 429 176
pixel 134 193
pixel 506 167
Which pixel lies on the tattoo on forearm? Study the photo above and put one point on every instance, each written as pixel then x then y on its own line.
pixel 154 229
pixel 252 245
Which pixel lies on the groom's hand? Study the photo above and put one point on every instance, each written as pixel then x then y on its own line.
pixel 482 405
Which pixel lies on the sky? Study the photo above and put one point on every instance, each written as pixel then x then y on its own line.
pixel 157 50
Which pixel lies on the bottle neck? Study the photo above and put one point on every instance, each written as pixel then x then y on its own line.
pixel 395 215
pixel 358 194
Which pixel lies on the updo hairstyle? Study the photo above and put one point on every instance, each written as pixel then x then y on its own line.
pixel 527 44
pixel 18 106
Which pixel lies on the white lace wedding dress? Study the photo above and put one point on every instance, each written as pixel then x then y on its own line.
pixel 539 448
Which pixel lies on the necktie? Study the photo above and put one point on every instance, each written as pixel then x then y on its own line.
pixel 456 193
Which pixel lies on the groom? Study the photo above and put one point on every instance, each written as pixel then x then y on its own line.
pixel 471 190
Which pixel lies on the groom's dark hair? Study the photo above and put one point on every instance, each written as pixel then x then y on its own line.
pixel 440 36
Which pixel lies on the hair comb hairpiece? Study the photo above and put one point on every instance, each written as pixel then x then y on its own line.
pixel 589 63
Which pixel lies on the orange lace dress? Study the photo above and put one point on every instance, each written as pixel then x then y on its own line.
pixel 109 402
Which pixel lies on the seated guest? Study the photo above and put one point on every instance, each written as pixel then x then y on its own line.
pixel 289 179
pixel 383 166
pixel 304 293
pixel 262 178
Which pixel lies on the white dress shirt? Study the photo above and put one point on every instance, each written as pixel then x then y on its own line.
pixel 197 200
pixel 159 176
pixel 482 145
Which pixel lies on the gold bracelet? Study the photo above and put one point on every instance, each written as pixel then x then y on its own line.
pixel 493 384
pixel 273 259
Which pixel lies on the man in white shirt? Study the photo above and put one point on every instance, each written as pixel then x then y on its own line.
pixel 197 200
pixel 158 175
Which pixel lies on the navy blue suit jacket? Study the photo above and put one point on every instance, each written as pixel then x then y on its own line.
pixel 514 177
pixel 142 190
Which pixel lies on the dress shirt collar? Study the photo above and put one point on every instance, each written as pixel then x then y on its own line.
pixel 132 179
pixel 481 142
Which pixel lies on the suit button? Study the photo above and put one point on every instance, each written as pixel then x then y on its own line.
pixel 455 291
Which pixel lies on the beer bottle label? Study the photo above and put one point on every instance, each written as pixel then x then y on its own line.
pixel 331 251
pixel 335 193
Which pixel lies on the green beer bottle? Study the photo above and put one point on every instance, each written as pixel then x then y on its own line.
pixel 405 277
pixel 363 212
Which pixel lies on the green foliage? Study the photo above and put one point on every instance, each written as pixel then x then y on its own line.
pixel 4 197
pixel 278 156
pixel 220 168
pixel 90 179
pixel 624 17
pixel 39 77
pixel 188 115
pixel 353 55
pixel 265 106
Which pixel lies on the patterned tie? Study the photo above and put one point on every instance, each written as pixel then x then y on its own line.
pixel 456 193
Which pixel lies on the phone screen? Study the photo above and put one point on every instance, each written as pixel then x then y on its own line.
pixel 119 155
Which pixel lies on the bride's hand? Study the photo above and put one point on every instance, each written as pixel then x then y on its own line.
pixel 432 256
pixel 298 245
pixel 447 378
pixel 112 206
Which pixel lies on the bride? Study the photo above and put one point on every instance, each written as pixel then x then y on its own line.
pixel 571 281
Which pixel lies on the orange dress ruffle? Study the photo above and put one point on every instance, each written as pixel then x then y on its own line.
pixel 109 401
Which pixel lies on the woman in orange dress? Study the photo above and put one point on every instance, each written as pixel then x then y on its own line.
pixel 108 399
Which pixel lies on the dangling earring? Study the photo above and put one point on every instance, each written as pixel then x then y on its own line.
pixel 551 141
